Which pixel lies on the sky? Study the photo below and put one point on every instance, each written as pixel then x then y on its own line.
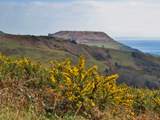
pixel 118 18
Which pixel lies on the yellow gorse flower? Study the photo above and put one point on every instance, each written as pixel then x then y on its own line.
pixel 81 83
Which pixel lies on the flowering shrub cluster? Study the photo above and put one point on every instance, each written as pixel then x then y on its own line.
pixel 86 88
pixel 21 69
pixel 78 89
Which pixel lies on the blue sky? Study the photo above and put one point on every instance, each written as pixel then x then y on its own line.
pixel 36 0
pixel 118 18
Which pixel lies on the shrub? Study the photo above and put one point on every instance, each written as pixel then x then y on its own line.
pixel 22 69
pixel 84 89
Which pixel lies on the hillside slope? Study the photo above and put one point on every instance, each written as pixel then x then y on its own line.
pixel 135 68
pixel 92 38
pixel 2 33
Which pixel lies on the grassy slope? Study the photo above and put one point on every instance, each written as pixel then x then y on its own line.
pixel 111 45
pixel 135 69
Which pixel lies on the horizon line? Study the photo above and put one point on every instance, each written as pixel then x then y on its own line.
pixel 115 37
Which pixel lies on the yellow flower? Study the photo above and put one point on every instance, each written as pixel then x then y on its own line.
pixel 81 62
pixel 53 79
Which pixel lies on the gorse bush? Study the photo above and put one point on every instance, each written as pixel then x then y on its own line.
pixel 83 88
pixel 145 100
pixel 21 69
pixel 86 88
pixel 64 88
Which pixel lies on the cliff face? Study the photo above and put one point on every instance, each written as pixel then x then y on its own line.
pixel 83 36
pixel 92 38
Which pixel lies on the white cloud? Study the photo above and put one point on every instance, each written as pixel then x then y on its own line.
pixel 132 18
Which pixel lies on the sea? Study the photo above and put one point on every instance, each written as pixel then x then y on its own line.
pixel 146 46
